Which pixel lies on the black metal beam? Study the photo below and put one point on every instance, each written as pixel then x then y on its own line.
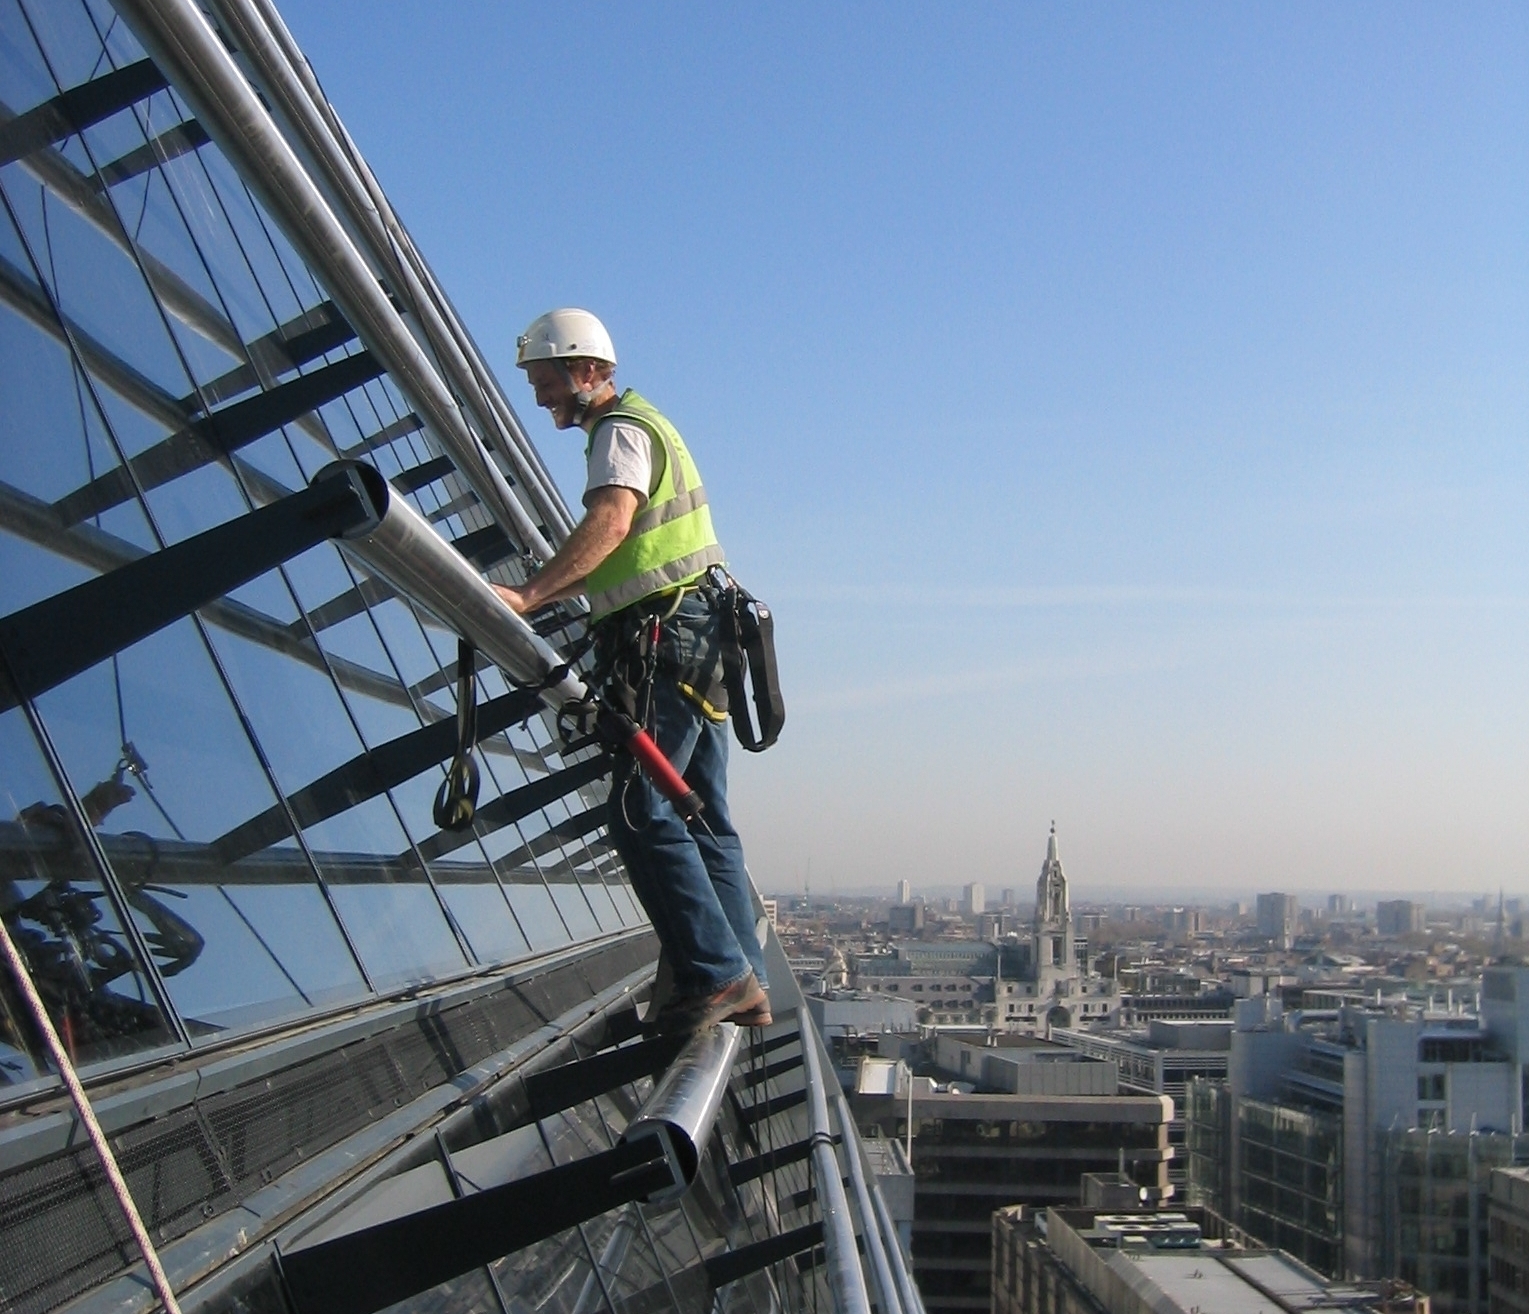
pixel 383 1264
pixel 757 1076
pixel 419 476
pixel 746 1170
pixel 734 1264
pixel 285 348
pixel 565 832
pixel 177 141
pixel 368 593
pixel 219 434
pixel 368 774
pixel 485 547
pixel 516 804
pixel 78 108
pixel 757 1112
pixel 555 1089
pixel 54 640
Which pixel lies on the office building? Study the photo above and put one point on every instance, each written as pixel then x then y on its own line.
pixel 1160 1059
pixel 1136 1261
pixel 976 1153
pixel 973 899
pixel 300 1005
pixel 1361 1140
pixel 1400 917
pixel 904 891
pixel 1508 1241
pixel 1278 916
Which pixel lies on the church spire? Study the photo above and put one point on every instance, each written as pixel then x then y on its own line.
pixel 1051 902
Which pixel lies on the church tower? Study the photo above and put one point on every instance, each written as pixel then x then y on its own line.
pixel 1052 949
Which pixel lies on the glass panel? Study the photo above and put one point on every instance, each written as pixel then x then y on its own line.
pixel 375 879
pixel 241 938
pixel 469 1294
pixel 23 73
pixel 569 896
pixel 96 286
pixel 57 912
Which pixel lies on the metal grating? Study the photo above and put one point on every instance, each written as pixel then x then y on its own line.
pixel 63 1230
pixel 63 1233
pixel 175 1172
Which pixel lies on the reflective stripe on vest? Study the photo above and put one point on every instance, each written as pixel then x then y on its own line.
pixel 671 541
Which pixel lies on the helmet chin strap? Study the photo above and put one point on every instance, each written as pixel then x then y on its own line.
pixel 583 398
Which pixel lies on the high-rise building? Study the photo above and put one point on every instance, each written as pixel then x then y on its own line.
pixel 1278 916
pixel 904 891
pixel 975 1153
pixel 304 1000
pixel 1362 1141
pixel 973 899
pixel 1508 1241
pixel 1400 917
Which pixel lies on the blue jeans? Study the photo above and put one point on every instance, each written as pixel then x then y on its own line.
pixel 691 879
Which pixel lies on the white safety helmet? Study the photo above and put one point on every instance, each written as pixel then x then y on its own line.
pixel 563 335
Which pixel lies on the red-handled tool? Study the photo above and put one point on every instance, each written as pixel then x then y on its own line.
pixel 623 732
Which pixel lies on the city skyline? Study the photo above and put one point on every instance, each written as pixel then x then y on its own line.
pixel 1124 419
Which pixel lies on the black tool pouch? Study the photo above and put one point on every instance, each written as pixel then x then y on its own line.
pixel 625 658
pixel 748 657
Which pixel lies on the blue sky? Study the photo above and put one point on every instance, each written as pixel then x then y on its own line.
pixel 1123 407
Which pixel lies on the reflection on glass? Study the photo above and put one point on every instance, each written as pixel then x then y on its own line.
pixel 57 912
pixel 240 936
pixel 570 900
pixel 535 911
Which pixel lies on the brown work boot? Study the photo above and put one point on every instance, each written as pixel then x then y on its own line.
pixel 690 1013
pixel 758 1016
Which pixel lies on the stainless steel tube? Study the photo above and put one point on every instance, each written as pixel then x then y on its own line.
pixel 403 549
pixel 262 37
pixel 182 43
pixel 870 1224
pixel 683 1106
pixel 846 1279
pixel 912 1301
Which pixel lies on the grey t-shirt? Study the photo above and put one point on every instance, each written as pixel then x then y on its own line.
pixel 621 456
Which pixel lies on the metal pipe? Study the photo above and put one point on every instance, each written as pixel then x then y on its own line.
pixel 913 1302
pixel 870 1226
pixel 846 1279
pixel 683 1106
pixel 179 39
pixel 401 547
pixel 264 40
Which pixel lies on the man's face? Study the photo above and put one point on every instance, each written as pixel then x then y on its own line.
pixel 554 391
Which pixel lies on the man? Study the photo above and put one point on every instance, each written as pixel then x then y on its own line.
pixel 641 553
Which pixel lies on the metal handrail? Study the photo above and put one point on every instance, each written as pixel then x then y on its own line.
pixel 263 38
pixel 846 1279
pixel 182 43
pixel 870 1223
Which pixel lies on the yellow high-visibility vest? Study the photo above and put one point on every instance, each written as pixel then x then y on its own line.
pixel 671 541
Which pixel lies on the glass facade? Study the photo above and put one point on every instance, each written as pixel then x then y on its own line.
pixel 1290 1167
pixel 226 824
pixel 1434 1190
pixel 1207 1134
